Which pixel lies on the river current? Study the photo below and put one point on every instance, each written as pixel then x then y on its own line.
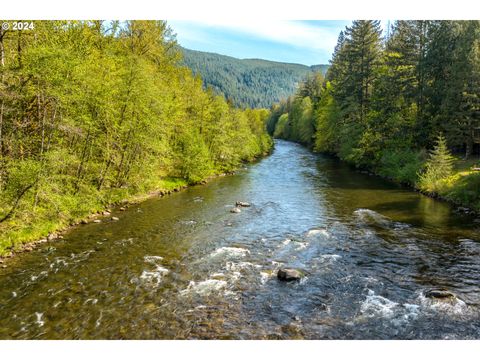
pixel 185 267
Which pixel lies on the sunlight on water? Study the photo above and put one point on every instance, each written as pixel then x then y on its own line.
pixel 184 266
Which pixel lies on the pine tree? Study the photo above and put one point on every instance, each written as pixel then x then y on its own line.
pixel 363 50
pixel 438 166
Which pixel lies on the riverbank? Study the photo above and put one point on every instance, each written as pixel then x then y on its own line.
pixel 185 267
pixel 461 189
pixel 19 236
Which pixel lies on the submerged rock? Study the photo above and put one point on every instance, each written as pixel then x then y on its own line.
pixel 289 274
pixel 441 294
pixel 243 204
pixel 114 218
pixel 96 221
pixel 235 210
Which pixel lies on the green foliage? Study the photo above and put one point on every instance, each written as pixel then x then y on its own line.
pixel 463 189
pixel 438 166
pixel 280 131
pixel 401 164
pixel 195 163
pixel 384 100
pixel 94 112
pixel 248 82
pixel 328 119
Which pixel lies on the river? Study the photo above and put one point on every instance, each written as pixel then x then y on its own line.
pixel 185 267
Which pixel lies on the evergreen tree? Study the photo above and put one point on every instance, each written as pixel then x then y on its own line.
pixel 438 166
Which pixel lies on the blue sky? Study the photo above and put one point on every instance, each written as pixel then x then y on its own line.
pixel 306 42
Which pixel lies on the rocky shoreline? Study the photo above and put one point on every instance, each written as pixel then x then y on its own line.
pixel 101 216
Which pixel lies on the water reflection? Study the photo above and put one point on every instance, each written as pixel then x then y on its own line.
pixel 185 267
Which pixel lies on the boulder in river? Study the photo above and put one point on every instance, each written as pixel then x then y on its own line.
pixel 289 274
pixel 441 294
pixel 242 204
pixel 235 210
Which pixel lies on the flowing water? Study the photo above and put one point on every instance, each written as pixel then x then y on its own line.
pixel 185 267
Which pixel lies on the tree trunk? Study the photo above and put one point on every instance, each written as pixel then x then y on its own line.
pixel 17 201
pixel 469 144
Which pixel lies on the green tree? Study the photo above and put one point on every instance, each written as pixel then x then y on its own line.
pixel 438 166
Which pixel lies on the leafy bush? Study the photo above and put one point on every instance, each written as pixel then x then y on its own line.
pixel 401 165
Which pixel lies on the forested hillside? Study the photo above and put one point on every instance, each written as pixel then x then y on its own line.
pixel 248 82
pixel 93 112
pixel 398 106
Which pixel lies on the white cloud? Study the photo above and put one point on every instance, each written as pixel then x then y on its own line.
pixel 289 32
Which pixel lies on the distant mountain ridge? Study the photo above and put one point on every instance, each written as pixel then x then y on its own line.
pixel 254 83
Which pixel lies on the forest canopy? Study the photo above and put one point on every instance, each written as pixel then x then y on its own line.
pixel 93 112
pixel 389 99
pixel 253 83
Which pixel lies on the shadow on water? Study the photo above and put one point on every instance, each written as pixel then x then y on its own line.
pixel 185 267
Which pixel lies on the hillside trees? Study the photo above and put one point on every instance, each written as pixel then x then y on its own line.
pixel 384 102
pixel 92 112
pixel 251 83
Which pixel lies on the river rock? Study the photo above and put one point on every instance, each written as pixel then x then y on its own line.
pixel 124 208
pixel 114 218
pixel 242 204
pixel 106 213
pixel 51 237
pixel 289 274
pixel 235 210
pixel 97 221
pixel 440 294
pixel 83 221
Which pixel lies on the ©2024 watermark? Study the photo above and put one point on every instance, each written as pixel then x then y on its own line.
pixel 18 25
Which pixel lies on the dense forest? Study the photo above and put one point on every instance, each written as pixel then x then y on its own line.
pixel 397 105
pixel 94 112
pixel 251 83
